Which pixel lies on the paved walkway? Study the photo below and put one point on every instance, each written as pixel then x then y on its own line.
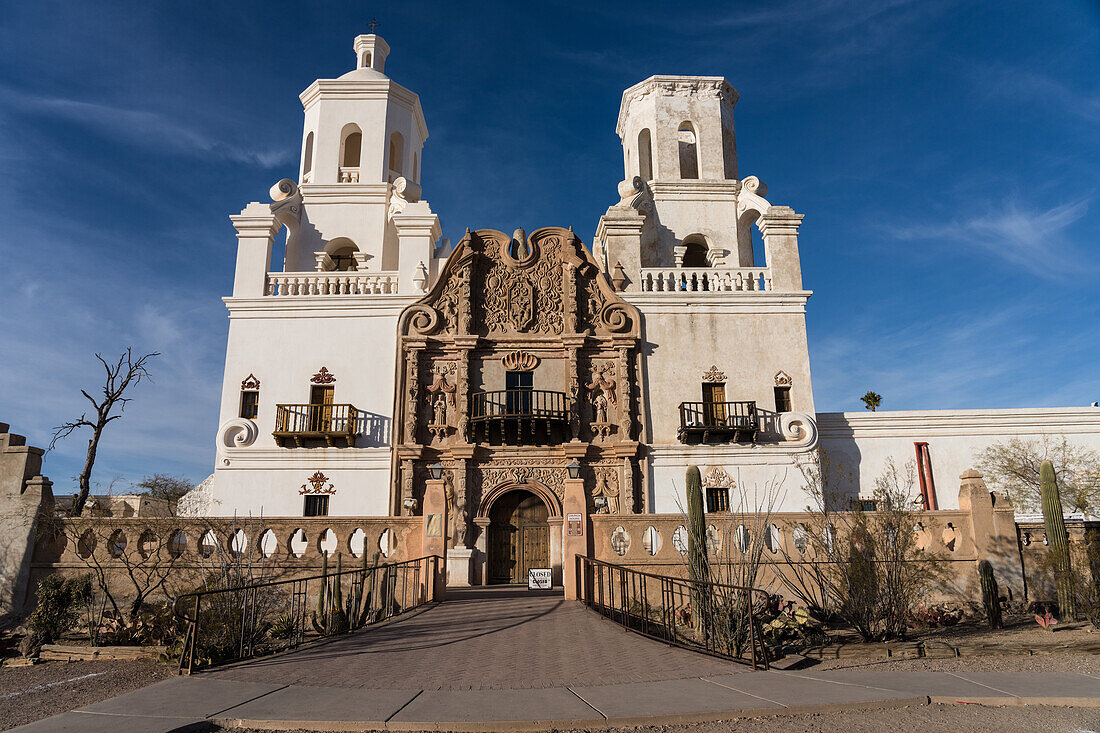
pixel 494 659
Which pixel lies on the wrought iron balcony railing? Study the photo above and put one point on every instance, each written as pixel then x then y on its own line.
pixel 331 423
pixel 520 415
pixel 718 422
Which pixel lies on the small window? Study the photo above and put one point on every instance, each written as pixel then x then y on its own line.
pixel 718 499
pixel 307 157
pixel 353 145
pixel 517 398
pixel 397 154
pixel 782 399
pixel 695 252
pixel 316 506
pixel 250 403
pixel 688 149
pixel 645 156
pixel 863 505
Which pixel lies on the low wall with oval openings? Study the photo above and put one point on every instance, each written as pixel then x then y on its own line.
pixel 192 546
pixel 658 543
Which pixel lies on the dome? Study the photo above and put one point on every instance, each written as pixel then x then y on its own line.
pixel 363 74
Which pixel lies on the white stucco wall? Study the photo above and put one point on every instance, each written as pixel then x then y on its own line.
pixel 862 442
pixel 283 342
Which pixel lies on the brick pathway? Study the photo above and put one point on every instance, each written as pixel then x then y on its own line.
pixel 481 639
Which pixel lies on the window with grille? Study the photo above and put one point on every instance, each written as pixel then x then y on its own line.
pixel 316 506
pixel 250 403
pixel 718 499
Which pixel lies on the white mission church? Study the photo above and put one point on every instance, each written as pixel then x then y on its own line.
pixel 375 356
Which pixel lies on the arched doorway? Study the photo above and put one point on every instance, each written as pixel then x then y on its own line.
pixel 519 537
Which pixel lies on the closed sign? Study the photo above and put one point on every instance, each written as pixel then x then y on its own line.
pixel 539 579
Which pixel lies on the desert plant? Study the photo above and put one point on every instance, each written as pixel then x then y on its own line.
pixel 697 546
pixel 871 571
pixel 1055 525
pixel 990 595
pixel 871 400
pixel 1046 619
pixel 58 603
pixel 1013 467
pixel 330 618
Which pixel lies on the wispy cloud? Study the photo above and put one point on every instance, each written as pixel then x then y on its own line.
pixel 152 130
pixel 1029 236
pixel 1027 87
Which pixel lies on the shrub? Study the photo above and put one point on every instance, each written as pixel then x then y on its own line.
pixel 58 605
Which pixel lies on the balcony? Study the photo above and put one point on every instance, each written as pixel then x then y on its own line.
pixel 350 282
pixel 704 279
pixel 718 422
pixel 300 423
pixel 520 417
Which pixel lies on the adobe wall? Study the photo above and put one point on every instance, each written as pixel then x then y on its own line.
pixel 24 497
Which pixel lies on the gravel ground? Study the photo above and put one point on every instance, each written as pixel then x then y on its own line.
pixel 1087 663
pixel 971 718
pixel 28 694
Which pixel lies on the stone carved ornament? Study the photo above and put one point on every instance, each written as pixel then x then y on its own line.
pixel 717 478
pixel 315 484
pixel 714 375
pixel 782 379
pixel 553 478
pixel 457 511
pixel 606 486
pixel 250 382
pixel 324 376
pixel 495 284
pixel 520 361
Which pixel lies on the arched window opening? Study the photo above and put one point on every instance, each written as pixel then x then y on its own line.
pixel 689 153
pixel 758 259
pixel 341 256
pixel 397 154
pixel 645 155
pixel 695 252
pixel 307 159
pixel 366 60
pixel 350 150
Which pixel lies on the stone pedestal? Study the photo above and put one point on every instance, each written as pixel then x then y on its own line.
pixel 459 566
pixel 435 534
pixel 573 544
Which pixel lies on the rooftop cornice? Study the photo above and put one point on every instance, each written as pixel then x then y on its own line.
pixel 668 86
pixel 365 89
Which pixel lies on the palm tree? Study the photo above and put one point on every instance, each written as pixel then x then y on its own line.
pixel 871 400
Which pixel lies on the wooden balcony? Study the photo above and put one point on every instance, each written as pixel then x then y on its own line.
pixel 520 416
pixel 334 424
pixel 718 422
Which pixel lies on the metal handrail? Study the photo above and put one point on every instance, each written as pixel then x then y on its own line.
pixel 718 415
pixel 243 605
pixel 702 616
pixel 507 404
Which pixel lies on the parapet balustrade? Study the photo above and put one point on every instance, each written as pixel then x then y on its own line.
pixel 331 283
pixel 349 174
pixel 704 279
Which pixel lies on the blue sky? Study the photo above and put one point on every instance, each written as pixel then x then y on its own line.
pixel 946 156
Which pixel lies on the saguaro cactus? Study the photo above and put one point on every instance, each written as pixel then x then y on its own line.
pixel 990 594
pixel 1058 541
pixel 697 531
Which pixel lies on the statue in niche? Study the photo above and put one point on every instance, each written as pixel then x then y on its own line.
pixel 599 405
pixel 439 411
pixel 604 384
pixel 456 510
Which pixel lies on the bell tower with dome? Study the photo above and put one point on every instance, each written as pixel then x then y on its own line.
pixel 363 136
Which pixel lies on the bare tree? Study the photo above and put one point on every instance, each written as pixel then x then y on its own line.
pixel 120 376
pixel 1012 468
pixel 165 486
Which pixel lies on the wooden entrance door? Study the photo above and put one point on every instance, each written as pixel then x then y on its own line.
pixel 519 537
